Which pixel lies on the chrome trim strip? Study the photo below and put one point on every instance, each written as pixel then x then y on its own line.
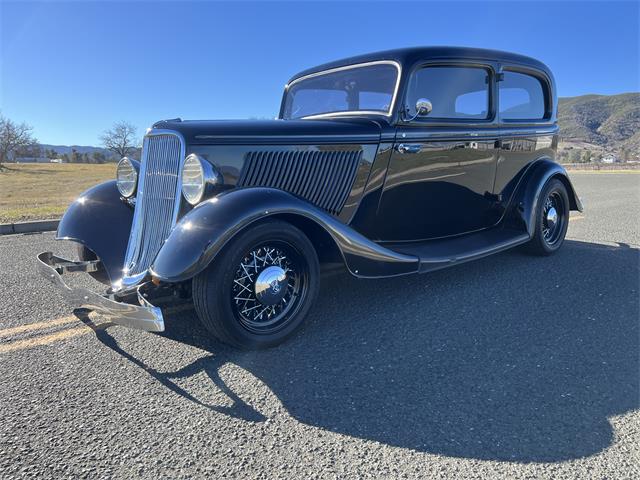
pixel 136 229
pixel 346 113
pixel 293 138
pixel 471 133
pixel 144 317
pixel 349 67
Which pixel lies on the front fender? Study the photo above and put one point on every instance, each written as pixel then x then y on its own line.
pixel 202 233
pixel 101 221
pixel 528 194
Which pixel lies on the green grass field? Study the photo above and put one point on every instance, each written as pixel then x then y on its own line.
pixel 44 190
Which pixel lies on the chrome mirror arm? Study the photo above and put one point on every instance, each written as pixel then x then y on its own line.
pixel 423 108
pixel 405 112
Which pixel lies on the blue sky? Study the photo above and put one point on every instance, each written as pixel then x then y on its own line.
pixel 71 69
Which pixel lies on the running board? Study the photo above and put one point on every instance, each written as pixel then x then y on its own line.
pixel 443 253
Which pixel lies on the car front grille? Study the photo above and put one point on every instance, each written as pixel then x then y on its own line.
pixel 322 177
pixel 157 202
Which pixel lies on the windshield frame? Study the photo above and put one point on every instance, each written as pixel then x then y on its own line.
pixel 347 113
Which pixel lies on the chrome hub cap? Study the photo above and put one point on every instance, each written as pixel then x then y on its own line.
pixel 271 285
pixel 267 287
pixel 552 218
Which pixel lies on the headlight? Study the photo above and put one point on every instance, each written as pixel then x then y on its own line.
pixel 198 176
pixel 127 177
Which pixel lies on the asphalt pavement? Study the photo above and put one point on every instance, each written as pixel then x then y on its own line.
pixel 509 367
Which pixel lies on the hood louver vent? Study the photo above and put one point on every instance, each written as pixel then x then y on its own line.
pixel 324 178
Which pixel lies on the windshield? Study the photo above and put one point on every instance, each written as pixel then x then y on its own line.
pixel 367 88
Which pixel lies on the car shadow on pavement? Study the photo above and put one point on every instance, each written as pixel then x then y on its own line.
pixel 238 408
pixel 512 358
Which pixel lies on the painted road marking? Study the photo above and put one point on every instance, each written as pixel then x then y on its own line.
pixel 46 339
pixel 9 332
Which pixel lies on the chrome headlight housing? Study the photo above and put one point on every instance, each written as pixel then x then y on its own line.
pixel 198 178
pixel 127 177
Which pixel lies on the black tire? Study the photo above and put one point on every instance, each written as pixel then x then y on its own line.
pixel 549 236
pixel 226 298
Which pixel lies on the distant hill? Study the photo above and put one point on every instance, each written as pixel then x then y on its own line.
pixel 62 149
pixel 609 121
pixel 86 149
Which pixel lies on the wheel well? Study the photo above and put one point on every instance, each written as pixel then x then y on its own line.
pixel 324 244
pixel 84 254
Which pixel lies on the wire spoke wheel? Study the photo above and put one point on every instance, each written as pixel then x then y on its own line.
pixel 268 286
pixel 553 217
pixel 260 287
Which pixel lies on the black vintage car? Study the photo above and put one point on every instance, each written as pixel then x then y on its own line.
pixel 398 162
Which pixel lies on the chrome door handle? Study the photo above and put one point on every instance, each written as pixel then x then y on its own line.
pixel 409 148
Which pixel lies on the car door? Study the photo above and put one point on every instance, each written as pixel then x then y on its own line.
pixel 441 173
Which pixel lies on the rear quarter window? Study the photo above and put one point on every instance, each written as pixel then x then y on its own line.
pixel 521 97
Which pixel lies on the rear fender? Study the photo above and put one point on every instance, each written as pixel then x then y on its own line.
pixel 101 221
pixel 525 202
pixel 202 233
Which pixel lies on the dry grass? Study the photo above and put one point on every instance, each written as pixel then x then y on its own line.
pixel 39 191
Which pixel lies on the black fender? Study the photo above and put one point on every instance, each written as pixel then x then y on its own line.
pixel 527 195
pixel 202 233
pixel 101 221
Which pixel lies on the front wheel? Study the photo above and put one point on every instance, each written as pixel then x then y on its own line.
pixel 258 290
pixel 552 219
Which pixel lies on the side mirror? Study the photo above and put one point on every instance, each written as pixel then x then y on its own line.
pixel 423 108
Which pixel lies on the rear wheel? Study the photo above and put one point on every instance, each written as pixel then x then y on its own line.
pixel 552 219
pixel 258 290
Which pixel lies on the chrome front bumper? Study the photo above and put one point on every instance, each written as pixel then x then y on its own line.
pixel 143 317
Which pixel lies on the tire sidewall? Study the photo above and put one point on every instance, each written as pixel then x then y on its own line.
pixel 552 186
pixel 221 273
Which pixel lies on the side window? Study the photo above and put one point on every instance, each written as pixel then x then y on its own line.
pixel 454 92
pixel 521 97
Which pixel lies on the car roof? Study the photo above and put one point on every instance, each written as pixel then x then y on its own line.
pixel 409 56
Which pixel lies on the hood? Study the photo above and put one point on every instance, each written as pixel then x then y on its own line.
pixel 275 132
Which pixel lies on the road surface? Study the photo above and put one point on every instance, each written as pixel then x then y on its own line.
pixel 508 367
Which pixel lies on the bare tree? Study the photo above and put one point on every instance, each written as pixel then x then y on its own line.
pixel 13 136
pixel 120 139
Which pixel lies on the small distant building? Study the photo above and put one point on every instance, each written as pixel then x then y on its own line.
pixel 610 158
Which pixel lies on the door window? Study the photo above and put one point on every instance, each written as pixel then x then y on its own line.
pixel 454 92
pixel 521 97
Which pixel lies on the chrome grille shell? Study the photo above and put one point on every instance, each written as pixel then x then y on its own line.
pixel 157 201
